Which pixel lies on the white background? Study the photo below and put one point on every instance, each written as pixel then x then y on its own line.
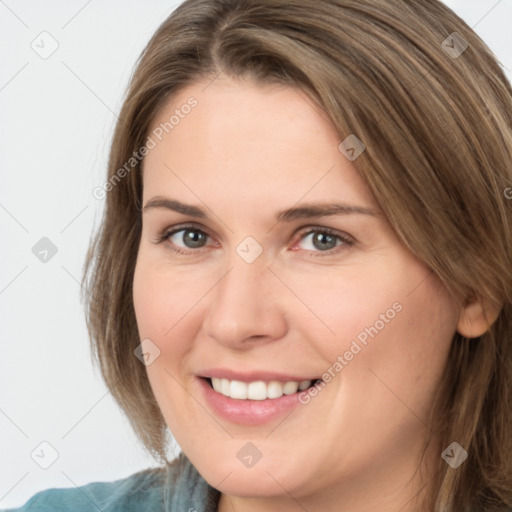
pixel 57 118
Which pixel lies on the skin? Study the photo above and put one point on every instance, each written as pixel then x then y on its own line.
pixel 245 152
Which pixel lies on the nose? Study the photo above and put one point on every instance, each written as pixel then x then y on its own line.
pixel 246 307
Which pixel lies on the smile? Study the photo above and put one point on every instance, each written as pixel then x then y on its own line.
pixel 257 390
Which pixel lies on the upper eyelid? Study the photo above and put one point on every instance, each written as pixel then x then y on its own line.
pixel 191 227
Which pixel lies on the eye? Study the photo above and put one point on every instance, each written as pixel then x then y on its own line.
pixel 318 241
pixel 191 238
pixel 183 238
pixel 324 240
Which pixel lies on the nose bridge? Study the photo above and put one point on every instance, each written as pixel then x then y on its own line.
pixel 240 307
pixel 243 283
pixel 243 287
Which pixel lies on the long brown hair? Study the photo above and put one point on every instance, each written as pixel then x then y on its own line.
pixel 434 110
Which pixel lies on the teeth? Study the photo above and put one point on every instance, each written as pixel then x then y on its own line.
pixel 274 389
pixel 224 386
pixel 304 385
pixel 238 390
pixel 291 387
pixel 257 390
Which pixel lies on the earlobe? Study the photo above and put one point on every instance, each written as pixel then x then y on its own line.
pixel 476 318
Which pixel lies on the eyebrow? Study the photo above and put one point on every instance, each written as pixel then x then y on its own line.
pixel 305 211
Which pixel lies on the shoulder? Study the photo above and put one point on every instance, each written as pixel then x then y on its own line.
pixel 140 491
pixel 177 487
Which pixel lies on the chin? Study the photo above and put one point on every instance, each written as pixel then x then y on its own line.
pixel 224 471
pixel 247 483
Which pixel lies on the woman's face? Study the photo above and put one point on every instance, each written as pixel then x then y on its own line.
pixel 264 258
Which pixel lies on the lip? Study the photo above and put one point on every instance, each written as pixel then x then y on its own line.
pixel 253 376
pixel 247 412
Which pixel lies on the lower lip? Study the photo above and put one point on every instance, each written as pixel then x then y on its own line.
pixel 248 412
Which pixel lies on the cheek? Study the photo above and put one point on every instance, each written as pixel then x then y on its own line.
pixel 393 326
pixel 167 309
pixel 163 300
pixel 162 312
pixel 399 301
pixel 395 374
pixel 158 313
pixel 345 304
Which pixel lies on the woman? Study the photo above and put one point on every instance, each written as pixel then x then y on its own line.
pixel 304 267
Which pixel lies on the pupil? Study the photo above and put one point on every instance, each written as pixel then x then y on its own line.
pixel 193 239
pixel 324 241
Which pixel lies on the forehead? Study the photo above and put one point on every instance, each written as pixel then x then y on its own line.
pixel 241 137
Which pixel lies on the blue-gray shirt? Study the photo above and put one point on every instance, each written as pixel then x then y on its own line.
pixel 179 488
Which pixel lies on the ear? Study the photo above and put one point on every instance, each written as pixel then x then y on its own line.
pixel 476 317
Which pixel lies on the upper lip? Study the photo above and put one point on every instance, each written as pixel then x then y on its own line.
pixel 253 376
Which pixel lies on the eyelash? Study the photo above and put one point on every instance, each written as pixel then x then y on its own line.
pixel 346 241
